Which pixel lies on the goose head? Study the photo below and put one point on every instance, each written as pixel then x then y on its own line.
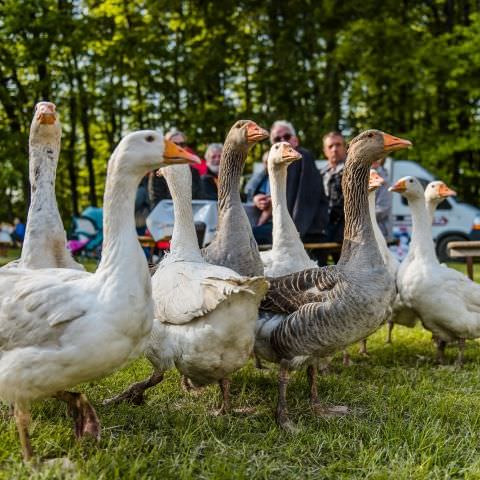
pixel 408 187
pixel 45 127
pixel 372 145
pixel 245 134
pixel 375 181
pixel 282 154
pixel 145 150
pixel 437 191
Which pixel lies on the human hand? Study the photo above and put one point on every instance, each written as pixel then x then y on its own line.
pixel 262 201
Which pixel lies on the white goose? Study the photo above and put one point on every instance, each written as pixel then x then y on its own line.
pixel 44 245
pixel 447 301
pixel 287 254
pixel 204 314
pixel 61 327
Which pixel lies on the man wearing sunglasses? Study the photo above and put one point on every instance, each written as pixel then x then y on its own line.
pixel 306 199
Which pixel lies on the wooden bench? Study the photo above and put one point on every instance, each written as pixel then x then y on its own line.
pixel 330 247
pixel 468 250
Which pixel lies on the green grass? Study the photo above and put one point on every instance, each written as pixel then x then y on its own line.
pixel 410 419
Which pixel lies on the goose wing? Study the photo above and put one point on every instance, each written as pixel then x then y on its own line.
pixel 185 291
pixel 36 304
pixel 288 293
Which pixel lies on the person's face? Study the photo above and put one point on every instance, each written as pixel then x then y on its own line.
pixel 283 134
pixel 334 149
pixel 179 140
pixel 213 160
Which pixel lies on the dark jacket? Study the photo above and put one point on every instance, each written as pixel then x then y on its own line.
pixel 306 199
pixel 142 205
pixel 158 188
pixel 209 186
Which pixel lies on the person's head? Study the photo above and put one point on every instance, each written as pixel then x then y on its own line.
pixel 334 148
pixel 177 137
pixel 213 155
pixel 283 131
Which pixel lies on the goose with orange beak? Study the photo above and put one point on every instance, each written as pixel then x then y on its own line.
pixel 44 245
pixel 447 301
pixel 60 327
pixel 234 245
pixel 288 254
pixel 308 316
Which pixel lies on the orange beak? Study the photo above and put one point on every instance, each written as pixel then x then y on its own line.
pixel 391 143
pixel 45 113
pixel 173 154
pixel 289 154
pixel 399 187
pixel 255 133
pixel 444 191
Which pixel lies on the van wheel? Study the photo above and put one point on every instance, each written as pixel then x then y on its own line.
pixel 442 252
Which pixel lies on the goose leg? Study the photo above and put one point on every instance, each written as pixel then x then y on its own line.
pixel 441 344
pixel 312 381
pixel 346 358
pixel 461 348
pixel 224 384
pixel 85 417
pixel 363 347
pixel 282 413
pixel 258 363
pixel 389 331
pixel 317 407
pixel 22 419
pixel 134 393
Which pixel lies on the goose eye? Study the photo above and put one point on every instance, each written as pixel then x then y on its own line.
pixel 370 135
pixel 150 138
pixel 276 147
pixel 411 181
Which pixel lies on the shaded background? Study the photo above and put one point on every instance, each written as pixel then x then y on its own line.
pixel 409 68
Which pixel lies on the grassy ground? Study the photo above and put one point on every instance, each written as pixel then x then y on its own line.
pixel 410 419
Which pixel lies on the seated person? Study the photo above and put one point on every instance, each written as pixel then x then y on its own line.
pixel 209 181
pixel 306 199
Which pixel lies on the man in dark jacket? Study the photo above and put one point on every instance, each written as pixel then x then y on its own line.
pixel 306 199
pixel 335 150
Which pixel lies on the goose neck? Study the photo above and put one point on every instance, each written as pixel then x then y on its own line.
pixel 284 230
pixel 229 175
pixel 44 232
pixel 184 243
pixel 421 244
pixel 121 251
pixel 358 224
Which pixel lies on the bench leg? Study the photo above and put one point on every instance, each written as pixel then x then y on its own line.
pixel 470 267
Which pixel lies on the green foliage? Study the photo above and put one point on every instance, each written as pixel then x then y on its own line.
pixel 410 68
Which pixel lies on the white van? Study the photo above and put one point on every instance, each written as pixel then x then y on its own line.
pixel 453 220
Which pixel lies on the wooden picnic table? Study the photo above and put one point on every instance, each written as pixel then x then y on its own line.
pixel 469 250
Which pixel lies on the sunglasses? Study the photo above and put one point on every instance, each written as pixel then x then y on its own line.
pixel 285 138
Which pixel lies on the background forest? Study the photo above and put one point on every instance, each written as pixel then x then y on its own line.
pixel 409 68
